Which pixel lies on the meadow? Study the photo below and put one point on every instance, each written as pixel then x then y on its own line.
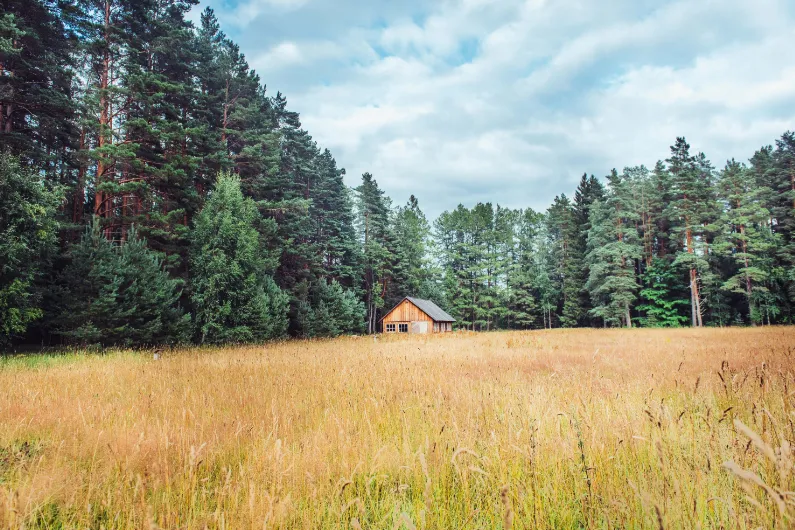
pixel 543 429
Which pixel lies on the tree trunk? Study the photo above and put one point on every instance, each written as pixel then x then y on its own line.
pixel 80 190
pixel 226 115
pixel 100 206
pixel 8 127
pixel 697 298
pixel 695 304
pixel 748 284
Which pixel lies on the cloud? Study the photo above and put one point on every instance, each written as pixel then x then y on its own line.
pixel 249 11
pixel 510 101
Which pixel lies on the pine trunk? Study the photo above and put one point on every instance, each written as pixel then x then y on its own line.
pixel 748 284
pixel 695 305
pixel 80 188
pixel 100 206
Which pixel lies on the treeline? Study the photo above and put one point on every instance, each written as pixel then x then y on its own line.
pixel 152 191
pixel 680 244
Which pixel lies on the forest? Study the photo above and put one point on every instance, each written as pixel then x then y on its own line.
pixel 152 192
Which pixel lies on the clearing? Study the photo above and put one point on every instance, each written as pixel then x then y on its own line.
pixel 543 429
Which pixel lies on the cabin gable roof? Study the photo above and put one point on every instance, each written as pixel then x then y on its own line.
pixel 436 313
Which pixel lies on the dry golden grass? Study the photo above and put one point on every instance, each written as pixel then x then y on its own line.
pixel 558 429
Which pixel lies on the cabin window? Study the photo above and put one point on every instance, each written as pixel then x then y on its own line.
pixel 403 328
pixel 390 328
pixel 435 327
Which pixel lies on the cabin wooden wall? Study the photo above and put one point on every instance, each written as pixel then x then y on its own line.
pixel 407 312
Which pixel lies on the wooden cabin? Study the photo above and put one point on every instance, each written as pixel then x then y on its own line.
pixel 414 315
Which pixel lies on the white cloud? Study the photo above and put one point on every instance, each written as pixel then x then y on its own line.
pixel 719 101
pixel 249 11
pixel 511 100
pixel 280 56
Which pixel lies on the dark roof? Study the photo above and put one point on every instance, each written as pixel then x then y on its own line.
pixel 427 307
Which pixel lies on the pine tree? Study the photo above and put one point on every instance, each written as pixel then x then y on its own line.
pixel 233 296
pixel 334 235
pixel 211 80
pixel 613 245
pixel 657 226
pixel 453 234
pixel 28 230
pixel 107 31
pixel 36 83
pixel 155 186
pixel 687 215
pixel 747 238
pixel 523 289
pixel 372 209
pixel 545 280
pixel 483 265
pixel 411 231
pixel 783 211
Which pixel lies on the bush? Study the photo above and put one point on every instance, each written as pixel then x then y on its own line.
pixel 28 231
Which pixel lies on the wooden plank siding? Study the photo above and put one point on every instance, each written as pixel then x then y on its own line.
pixel 406 312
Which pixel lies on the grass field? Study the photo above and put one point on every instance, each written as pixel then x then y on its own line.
pixel 557 429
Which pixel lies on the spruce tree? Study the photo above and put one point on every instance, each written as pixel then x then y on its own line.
pixel 117 295
pixel 588 191
pixel 334 311
pixel 233 295
pixel 563 232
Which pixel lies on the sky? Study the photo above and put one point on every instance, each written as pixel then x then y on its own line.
pixel 511 101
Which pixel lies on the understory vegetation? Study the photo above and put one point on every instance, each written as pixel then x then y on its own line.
pixel 544 429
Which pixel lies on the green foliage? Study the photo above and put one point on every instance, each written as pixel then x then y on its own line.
pixel 612 250
pixel 746 238
pixel 661 308
pixel 36 47
pixel 690 212
pixel 411 268
pixel 234 297
pixel 28 231
pixel 117 295
pixel 588 191
pixel 375 234
pixel 334 311
pixel 563 233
